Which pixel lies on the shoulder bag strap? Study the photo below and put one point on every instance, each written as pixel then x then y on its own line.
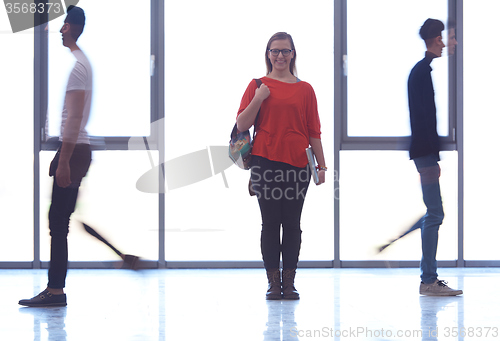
pixel 259 83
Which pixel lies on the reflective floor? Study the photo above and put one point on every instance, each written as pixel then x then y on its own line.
pixel 335 304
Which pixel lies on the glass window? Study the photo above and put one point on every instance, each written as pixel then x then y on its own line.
pixel 381 198
pixel 481 122
pixel 16 141
pixel 212 53
pixel 383 45
pixel 118 48
pixel 108 201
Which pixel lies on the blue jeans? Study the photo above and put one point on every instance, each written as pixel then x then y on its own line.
pixel 429 224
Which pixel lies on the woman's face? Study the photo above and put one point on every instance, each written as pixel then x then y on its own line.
pixel 280 62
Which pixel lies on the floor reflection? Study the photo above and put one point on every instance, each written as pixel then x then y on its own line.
pixel 230 304
pixel 441 317
pixel 281 323
pixel 48 323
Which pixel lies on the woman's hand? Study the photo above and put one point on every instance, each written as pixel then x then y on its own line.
pixel 321 176
pixel 247 118
pixel 262 92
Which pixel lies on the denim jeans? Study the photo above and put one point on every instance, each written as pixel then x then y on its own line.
pixel 429 224
pixel 280 189
pixel 62 206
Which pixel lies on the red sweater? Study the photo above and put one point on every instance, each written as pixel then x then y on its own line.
pixel 287 119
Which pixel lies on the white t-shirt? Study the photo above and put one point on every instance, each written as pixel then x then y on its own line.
pixel 79 79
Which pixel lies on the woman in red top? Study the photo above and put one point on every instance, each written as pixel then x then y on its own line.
pixel 288 123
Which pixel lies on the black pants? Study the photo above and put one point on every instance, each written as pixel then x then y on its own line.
pixel 280 189
pixel 61 208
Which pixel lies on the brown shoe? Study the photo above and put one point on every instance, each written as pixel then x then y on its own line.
pixel 438 288
pixel 289 291
pixel 274 289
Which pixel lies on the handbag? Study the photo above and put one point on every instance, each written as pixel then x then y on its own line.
pixel 241 143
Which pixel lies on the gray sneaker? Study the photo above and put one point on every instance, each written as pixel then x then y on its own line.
pixel 438 288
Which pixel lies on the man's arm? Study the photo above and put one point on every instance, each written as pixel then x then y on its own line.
pixel 75 101
pixel 420 97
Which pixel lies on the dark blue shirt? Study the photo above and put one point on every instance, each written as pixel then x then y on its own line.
pixel 424 136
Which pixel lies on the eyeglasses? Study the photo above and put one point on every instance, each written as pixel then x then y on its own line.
pixel 284 52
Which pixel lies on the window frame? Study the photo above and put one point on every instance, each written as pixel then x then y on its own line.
pixel 155 139
pixel 343 142
pixel 452 142
pixel 448 143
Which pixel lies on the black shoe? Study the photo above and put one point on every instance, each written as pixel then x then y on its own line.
pixel 45 299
